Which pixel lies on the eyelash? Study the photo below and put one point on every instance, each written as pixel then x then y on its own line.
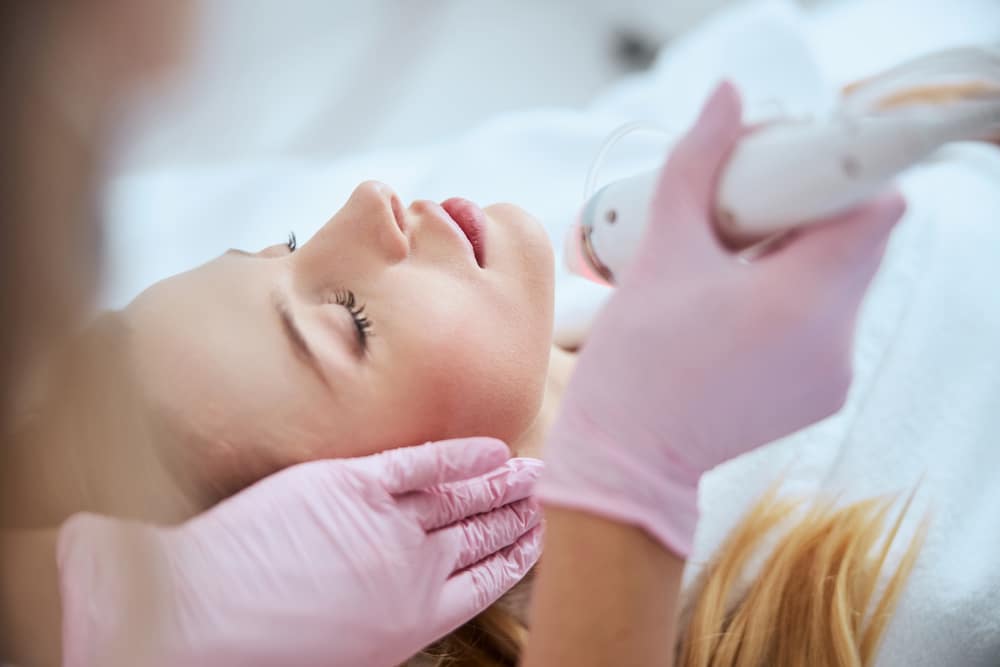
pixel 347 299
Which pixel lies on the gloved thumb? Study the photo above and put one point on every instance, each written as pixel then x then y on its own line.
pixel 681 215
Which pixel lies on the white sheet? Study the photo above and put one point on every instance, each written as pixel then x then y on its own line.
pixel 926 402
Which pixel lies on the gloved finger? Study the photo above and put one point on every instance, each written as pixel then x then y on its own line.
pixel 415 468
pixel 448 503
pixel 473 539
pixel 853 242
pixel 472 590
pixel 686 186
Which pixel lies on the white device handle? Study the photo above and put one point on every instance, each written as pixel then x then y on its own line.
pixel 795 173
pixel 784 175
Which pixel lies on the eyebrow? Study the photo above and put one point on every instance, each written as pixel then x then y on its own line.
pixel 295 338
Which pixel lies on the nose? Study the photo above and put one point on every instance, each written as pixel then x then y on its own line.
pixel 366 234
pixel 380 210
pixel 372 221
pixel 384 195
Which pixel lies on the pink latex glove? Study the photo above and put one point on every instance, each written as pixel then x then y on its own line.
pixel 698 357
pixel 348 562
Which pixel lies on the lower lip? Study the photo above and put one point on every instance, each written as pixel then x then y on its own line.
pixel 472 221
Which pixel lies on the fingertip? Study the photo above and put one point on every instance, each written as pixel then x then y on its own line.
pixel 521 476
pixel 494 446
pixel 517 559
pixel 492 533
pixel 531 466
pixel 867 223
pixel 533 538
pixel 728 95
pixel 413 468
pixel 722 109
pixel 471 590
pixel 695 162
pixel 876 219
pixel 532 512
pixel 890 207
pixel 513 519
pixel 482 452
pixel 492 450
pixel 529 547
pixel 723 103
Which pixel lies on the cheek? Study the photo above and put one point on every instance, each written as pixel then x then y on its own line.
pixel 453 357
pixel 479 382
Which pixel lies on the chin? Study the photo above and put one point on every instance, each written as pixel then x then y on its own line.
pixel 528 228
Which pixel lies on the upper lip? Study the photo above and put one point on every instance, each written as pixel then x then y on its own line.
pixel 441 214
pixel 471 220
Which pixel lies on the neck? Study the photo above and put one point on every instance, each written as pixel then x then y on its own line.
pixel 532 443
pixel 86 444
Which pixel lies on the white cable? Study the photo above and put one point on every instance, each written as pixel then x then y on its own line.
pixel 617 135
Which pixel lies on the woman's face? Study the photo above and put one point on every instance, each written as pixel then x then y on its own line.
pixel 389 327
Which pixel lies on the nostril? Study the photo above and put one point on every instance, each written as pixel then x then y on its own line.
pixel 398 212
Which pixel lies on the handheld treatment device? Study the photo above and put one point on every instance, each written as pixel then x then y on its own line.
pixel 795 172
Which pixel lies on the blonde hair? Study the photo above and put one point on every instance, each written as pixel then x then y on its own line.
pixel 816 600
pixel 494 638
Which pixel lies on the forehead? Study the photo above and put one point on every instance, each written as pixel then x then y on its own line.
pixel 215 364
pixel 210 323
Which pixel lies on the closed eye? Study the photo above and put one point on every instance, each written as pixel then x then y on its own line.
pixel 362 322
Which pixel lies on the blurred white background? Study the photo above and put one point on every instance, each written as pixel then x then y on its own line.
pixel 284 105
pixel 311 78
pixel 318 78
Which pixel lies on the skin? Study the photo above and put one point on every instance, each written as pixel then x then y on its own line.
pixel 116 44
pixel 627 611
pixel 91 53
pixel 229 398
pixel 456 349
pixel 79 61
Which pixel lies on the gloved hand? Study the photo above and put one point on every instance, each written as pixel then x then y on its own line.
pixel 347 562
pixel 697 357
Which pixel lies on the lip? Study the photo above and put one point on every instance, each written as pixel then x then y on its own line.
pixel 472 221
